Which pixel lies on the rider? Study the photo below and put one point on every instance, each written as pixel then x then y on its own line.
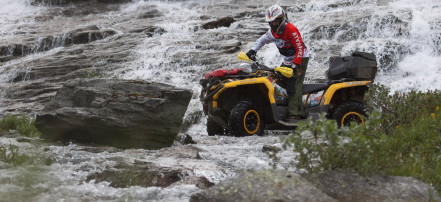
pixel 295 55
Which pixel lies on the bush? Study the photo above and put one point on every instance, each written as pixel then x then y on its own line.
pixel 25 126
pixel 401 137
pixel 401 108
pixel 10 154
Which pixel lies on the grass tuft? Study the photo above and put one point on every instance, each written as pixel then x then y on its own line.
pixel 25 126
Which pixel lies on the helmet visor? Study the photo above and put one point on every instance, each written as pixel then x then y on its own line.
pixel 275 24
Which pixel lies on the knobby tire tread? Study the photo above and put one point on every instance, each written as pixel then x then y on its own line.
pixel 346 108
pixel 235 122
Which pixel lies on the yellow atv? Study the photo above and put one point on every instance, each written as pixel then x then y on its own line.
pixel 247 100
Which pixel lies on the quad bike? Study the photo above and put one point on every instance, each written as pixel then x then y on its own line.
pixel 247 100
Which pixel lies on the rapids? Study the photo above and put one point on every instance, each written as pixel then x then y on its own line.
pixel 405 35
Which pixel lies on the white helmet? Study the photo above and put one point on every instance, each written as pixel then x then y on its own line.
pixel 273 13
pixel 277 14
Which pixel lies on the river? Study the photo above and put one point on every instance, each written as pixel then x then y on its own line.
pixel 405 36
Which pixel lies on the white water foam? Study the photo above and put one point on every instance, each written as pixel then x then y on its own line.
pixel 14 14
pixel 421 69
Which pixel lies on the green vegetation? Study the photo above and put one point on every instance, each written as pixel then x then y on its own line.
pixel 25 126
pixel 10 154
pixel 401 137
pixel 93 74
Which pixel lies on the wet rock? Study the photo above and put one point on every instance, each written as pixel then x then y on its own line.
pixel 119 113
pixel 340 4
pixel 114 1
pixel 50 2
pixel 149 31
pixel 200 182
pixel 180 152
pixel 436 40
pixel 191 119
pixel 390 55
pixel 266 185
pixel 223 22
pixel 66 2
pixel 341 32
pixel 270 148
pixel 350 186
pixel 79 36
pixel 162 168
pixel 89 36
pixel 142 174
pixel 6 58
pixel 279 185
pixel 32 88
pixel 151 14
pixel 254 14
pixel 96 150
pixel 184 139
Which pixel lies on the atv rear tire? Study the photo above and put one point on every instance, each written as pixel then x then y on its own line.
pixel 348 112
pixel 246 119
pixel 214 129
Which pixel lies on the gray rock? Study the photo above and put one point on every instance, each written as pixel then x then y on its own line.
pixel 142 174
pixel 120 113
pixel 184 139
pixel 41 44
pixel 223 22
pixel 199 182
pixel 278 185
pixel 149 172
pixel 265 185
pixel 350 186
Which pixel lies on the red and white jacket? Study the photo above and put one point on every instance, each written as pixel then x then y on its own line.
pixel 289 43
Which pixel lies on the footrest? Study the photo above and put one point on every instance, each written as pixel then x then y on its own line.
pixel 291 123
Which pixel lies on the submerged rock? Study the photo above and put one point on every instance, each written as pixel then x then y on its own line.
pixel 167 167
pixel 143 174
pixel 199 182
pixel 119 113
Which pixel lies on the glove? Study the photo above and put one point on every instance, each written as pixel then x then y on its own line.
pixel 251 54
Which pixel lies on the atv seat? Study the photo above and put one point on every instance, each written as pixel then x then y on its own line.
pixel 314 87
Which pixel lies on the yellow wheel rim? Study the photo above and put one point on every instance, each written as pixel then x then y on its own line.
pixel 251 122
pixel 352 116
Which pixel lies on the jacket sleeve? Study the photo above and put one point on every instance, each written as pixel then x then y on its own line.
pixel 296 40
pixel 264 39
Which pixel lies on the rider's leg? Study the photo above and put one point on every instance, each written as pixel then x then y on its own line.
pixel 295 105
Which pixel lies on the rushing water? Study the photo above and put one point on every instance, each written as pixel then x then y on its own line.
pixel 405 35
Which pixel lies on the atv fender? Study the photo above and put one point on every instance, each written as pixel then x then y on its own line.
pixel 329 94
pixel 251 81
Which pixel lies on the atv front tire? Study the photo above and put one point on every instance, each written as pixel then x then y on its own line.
pixel 246 119
pixel 349 112
pixel 213 128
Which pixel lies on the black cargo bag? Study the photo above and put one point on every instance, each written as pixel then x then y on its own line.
pixel 359 66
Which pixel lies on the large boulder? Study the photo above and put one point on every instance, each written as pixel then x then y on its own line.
pixel 350 186
pixel 280 185
pixel 263 185
pixel 119 113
